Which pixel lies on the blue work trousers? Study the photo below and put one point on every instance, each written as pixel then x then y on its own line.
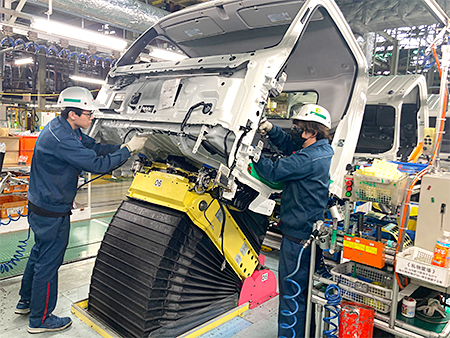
pixel 40 279
pixel 289 252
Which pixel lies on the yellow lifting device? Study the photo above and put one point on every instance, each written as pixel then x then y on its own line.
pixel 176 191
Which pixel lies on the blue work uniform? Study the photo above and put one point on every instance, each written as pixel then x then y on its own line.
pixel 60 154
pixel 306 178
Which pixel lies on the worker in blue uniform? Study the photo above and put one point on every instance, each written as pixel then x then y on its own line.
pixel 61 152
pixel 305 174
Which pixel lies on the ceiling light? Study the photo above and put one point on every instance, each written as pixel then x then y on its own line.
pixel 23 61
pixel 87 79
pixel 72 32
pixel 166 54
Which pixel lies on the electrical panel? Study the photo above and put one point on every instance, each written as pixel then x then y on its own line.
pixel 434 212
pixel 44 118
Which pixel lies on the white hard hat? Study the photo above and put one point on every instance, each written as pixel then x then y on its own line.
pixel 77 97
pixel 315 113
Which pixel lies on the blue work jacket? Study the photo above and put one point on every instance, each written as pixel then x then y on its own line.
pixel 306 178
pixel 60 154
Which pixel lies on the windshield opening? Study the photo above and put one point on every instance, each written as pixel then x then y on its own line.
pixel 160 49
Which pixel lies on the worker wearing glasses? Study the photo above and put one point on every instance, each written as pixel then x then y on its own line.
pixel 61 152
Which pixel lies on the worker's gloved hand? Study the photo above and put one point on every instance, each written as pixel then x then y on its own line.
pixel 432 307
pixel 265 126
pixel 136 144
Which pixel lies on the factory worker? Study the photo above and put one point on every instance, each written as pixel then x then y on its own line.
pixel 306 178
pixel 61 152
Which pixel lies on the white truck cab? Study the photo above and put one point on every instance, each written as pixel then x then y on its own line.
pixel 395 116
pixel 205 107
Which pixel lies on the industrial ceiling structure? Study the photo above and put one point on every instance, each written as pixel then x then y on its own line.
pixel 57 33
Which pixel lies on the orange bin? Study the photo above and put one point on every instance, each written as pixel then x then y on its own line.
pixel 10 188
pixel 26 146
pixel 11 205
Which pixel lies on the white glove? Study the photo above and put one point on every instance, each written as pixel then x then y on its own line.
pixel 136 143
pixel 432 307
pixel 265 126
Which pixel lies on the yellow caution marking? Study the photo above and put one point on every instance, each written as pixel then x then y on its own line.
pixel 371 250
pixel 349 244
pixel 213 323
pixel 79 310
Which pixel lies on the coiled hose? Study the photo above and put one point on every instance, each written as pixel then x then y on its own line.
pixel 9 265
pixel 288 313
pixel 333 300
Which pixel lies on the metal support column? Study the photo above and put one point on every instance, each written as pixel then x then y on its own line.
pixel 312 267
pixel 319 317
pixel 40 81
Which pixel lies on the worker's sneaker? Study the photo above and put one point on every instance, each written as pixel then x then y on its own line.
pixel 23 307
pixel 52 323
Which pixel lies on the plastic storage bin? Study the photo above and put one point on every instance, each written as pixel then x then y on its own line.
pixel 415 262
pixel 410 168
pixel 12 188
pixel 26 146
pixel 380 190
pixel 371 281
pixel 11 205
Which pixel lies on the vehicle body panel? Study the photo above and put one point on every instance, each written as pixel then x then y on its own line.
pixel 395 118
pixel 314 46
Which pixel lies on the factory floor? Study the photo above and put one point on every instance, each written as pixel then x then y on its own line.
pixel 75 274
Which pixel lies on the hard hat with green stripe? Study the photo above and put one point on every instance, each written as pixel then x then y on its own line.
pixel 76 97
pixel 314 113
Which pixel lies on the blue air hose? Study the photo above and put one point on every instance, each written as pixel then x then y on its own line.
pixel 333 300
pixel 288 313
pixel 5 267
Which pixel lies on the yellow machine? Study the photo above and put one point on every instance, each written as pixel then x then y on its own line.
pixel 208 213
pixel 175 255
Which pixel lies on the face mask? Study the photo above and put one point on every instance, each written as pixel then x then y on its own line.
pixel 296 134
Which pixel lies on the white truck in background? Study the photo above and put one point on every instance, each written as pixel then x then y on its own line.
pixel 395 116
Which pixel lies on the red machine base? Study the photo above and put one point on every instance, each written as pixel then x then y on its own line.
pixel 259 287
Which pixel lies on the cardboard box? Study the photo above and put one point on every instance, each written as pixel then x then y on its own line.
pixel 11 157
pixel 12 143
pixel 4 132
pixel 12 149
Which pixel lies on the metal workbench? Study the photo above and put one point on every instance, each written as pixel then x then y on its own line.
pixel 387 323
